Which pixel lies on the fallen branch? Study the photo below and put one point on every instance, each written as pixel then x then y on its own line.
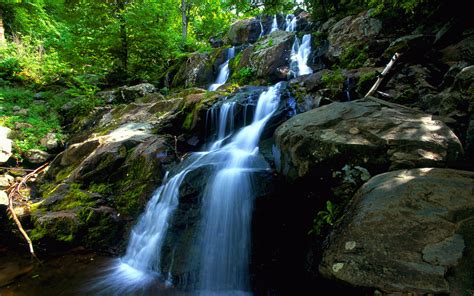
pixel 14 191
pixel 382 75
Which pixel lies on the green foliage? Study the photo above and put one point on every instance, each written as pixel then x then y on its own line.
pixel 244 75
pixel 365 81
pixel 324 218
pixel 30 123
pixel 354 56
pixel 333 79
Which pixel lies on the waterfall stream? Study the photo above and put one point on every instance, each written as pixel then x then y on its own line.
pixel 224 234
pixel 224 71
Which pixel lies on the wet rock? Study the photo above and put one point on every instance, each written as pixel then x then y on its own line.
pixel 131 93
pixel 366 134
pixel 37 156
pixel 108 96
pixel 5 144
pixel 413 46
pixel 215 42
pixel 58 226
pixel 372 247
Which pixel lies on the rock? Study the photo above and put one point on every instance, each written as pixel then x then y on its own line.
pixel 196 71
pixel 372 247
pixel 318 142
pixel 461 51
pixel 128 94
pixel 244 31
pixel 23 112
pixel 6 180
pixel 22 125
pixel 414 46
pixel 16 108
pixel 5 144
pixel 58 226
pixel 350 30
pixel 216 43
pixel 108 96
pixel 3 198
pixel 37 156
pixel 50 141
pixel 271 56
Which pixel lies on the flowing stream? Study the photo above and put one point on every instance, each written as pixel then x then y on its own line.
pixel 224 71
pixel 224 234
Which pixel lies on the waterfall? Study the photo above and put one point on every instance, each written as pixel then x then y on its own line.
pixel 228 204
pixel 227 207
pixel 224 71
pixel 290 22
pixel 274 24
pixel 299 56
pixel 262 30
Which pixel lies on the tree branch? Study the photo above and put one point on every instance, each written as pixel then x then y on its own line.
pixel 383 74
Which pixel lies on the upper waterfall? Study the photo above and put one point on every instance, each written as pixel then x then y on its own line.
pixel 224 71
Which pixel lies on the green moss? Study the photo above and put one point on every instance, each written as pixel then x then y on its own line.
pixel 365 81
pixel 99 226
pixel 100 188
pixel 354 56
pixel 75 198
pixel 64 174
pixel 59 228
pixel 333 80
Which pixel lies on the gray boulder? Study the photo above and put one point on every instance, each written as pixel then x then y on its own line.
pixel 362 133
pixel 407 231
pixel 5 144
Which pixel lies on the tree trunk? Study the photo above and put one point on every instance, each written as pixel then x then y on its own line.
pixel 2 30
pixel 184 19
pixel 123 36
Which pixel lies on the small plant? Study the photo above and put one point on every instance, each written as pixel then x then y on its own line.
pixel 329 216
pixel 365 81
pixel 243 76
pixel 333 80
pixel 354 56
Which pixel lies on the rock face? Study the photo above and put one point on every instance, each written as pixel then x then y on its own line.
pixel 270 56
pixel 350 30
pixel 407 231
pixel 196 71
pixel 365 134
pixel 244 31
pixel 5 144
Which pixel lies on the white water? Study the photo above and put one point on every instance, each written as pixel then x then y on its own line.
pixel 224 71
pixel 274 25
pixel 299 56
pixel 262 31
pixel 290 21
pixel 227 209
pixel 228 204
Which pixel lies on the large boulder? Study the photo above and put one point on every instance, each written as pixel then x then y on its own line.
pixel 461 51
pixel 407 231
pixel 270 58
pixel 351 30
pixel 244 31
pixel 196 71
pixel 5 144
pixel 362 133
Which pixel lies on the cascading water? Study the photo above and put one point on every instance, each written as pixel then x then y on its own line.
pixel 299 56
pixel 224 71
pixel 262 30
pixel 290 22
pixel 227 206
pixel 274 24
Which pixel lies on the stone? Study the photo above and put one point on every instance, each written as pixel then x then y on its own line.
pixel 50 141
pixel 196 71
pixel 127 94
pixel 37 156
pixel 6 180
pixel 461 51
pixel 414 46
pixel 3 198
pixel 319 142
pixel 271 55
pixel 22 125
pixel 350 30
pixel 404 230
pixel 108 96
pixel 244 31
pixel 5 144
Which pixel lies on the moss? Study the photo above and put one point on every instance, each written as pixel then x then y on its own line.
pixel 74 198
pixel 61 228
pixel 354 56
pixel 333 80
pixel 64 174
pixel 365 81
pixel 99 226
pixel 100 188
